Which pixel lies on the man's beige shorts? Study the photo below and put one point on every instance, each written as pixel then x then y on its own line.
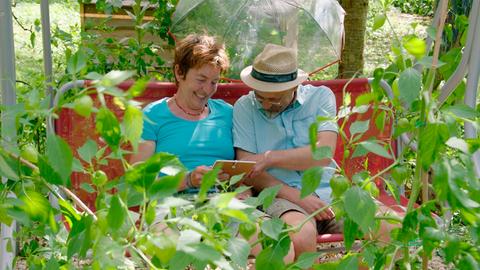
pixel 281 206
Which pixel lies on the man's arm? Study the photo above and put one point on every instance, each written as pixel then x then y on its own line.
pixel 298 159
pixel 264 180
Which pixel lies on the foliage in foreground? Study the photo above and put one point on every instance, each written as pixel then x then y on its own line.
pixel 198 231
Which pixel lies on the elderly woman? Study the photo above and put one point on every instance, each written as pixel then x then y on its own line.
pixel 191 125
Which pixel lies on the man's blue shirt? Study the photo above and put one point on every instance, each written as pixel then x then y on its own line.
pixel 255 132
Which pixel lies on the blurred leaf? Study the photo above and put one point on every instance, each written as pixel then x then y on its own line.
pixel 108 127
pixel 115 77
pixel 150 213
pixel 458 144
pixel 379 21
pixel 311 180
pixel 59 159
pixel 88 150
pixel 350 233
pixel 237 214
pixel 462 111
pixel 380 120
pixel 208 181
pixel 360 207
pixel 76 62
pixel 267 195
pixel 138 87
pixel 432 139
pixel 322 152
pixel 375 148
pixel 272 227
pixel 305 260
pixel 239 250
pixel 8 166
pixel 87 187
pixel 348 262
pixel 312 134
pixel 116 213
pixel 268 260
pixel 415 46
pixel 359 127
pixel 409 85
pixel 133 122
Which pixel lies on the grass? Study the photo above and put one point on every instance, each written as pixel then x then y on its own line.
pixel 64 16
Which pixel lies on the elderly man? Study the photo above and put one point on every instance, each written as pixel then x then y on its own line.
pixel 271 127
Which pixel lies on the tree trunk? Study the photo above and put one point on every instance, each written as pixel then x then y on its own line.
pixel 355 26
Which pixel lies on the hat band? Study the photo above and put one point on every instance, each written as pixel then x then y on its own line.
pixel 275 78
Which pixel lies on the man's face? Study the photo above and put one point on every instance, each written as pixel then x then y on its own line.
pixel 275 102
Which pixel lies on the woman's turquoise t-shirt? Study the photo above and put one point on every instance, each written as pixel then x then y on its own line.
pixel 195 143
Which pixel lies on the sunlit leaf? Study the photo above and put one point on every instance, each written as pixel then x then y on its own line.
pixel 133 123
pixel 379 21
pixel 108 127
pixel 415 46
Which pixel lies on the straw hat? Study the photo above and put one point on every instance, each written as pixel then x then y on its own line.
pixel 274 70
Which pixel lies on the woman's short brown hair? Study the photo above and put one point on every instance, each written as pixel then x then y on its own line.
pixel 197 50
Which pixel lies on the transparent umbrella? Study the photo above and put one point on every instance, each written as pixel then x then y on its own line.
pixel 314 27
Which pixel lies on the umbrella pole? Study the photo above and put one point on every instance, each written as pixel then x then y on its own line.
pixel 8 133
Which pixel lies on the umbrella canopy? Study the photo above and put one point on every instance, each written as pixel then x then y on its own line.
pixel 313 27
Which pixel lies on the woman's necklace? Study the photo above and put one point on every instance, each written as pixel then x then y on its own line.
pixel 183 110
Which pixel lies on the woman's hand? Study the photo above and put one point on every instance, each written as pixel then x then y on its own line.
pixel 194 178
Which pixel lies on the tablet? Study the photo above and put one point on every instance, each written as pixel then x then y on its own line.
pixel 235 167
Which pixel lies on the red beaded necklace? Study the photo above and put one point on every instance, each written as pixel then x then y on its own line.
pixel 183 110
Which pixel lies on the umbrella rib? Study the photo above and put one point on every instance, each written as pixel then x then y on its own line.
pixel 188 12
pixel 235 17
pixel 313 18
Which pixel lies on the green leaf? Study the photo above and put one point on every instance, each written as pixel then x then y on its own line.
pixel 350 233
pixel 379 21
pixel 348 262
pixel 359 127
pixel 272 227
pixel 311 180
pixel 267 259
pixel 458 144
pixel 380 120
pixel 364 99
pixel 360 207
pixel 322 152
pixel 415 46
pixel 462 111
pixel 138 87
pixel 237 214
pixel 108 127
pixel 116 213
pixel 59 158
pixel 236 178
pixel 208 181
pixel 267 195
pixel 88 150
pixel 8 167
pixel 133 122
pixel 87 187
pixel 150 213
pixel 409 85
pixel 143 174
pixel 164 247
pixel 432 139
pixel 115 77
pixel 239 248
pixel 306 260
pixel 76 62
pixel 375 148
pixel 312 134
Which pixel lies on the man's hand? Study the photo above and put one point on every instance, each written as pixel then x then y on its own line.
pixel 312 203
pixel 262 163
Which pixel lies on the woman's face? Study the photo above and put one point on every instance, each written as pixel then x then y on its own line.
pixel 198 85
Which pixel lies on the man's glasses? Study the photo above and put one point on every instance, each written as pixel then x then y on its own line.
pixel 275 102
